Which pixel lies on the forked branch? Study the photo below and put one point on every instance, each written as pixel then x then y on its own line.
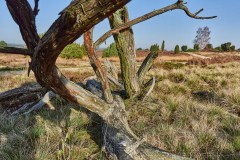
pixel 183 7
pixel 178 5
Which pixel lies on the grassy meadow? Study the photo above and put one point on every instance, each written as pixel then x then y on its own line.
pixel 193 111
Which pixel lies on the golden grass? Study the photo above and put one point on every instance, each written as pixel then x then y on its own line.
pixel 176 117
pixel 177 120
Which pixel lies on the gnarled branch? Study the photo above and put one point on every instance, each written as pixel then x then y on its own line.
pixel 36 10
pixel 146 65
pixel 97 66
pixel 23 15
pixel 193 15
pixel 148 16
pixel 13 50
pixel 126 51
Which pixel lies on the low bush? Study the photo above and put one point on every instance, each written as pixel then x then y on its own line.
pixel 217 49
pixel 209 46
pixel 184 48
pixel 110 51
pixel 191 50
pixel 227 47
pixel 196 47
pixel 73 50
pixel 3 44
pixel 169 65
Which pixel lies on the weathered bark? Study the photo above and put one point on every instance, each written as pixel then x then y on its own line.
pixel 111 69
pixel 12 50
pixel 121 143
pixel 146 65
pixel 112 74
pixel 76 19
pixel 17 97
pixel 126 50
pixel 24 16
pixel 97 66
pixel 65 30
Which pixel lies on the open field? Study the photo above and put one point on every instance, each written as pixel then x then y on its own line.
pixel 193 111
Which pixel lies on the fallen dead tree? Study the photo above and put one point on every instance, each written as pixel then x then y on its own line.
pixel 98 97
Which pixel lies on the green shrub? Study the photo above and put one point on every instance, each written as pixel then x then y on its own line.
pixel 233 48
pixel 154 48
pixel 163 46
pixel 139 49
pixel 209 46
pixel 73 50
pixel 191 50
pixel 226 46
pixel 172 65
pixel 176 50
pixel 218 49
pixel 196 47
pixel 184 48
pixel 3 44
pixel 110 51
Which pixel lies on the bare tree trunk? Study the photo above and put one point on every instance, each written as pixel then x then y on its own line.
pixel 126 51
pixel 81 15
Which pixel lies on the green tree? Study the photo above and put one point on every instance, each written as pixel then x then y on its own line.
pixel 163 46
pixel 154 48
pixel 196 47
pixel 218 49
pixel 184 48
pixel 73 50
pixel 233 48
pixel 227 47
pixel 111 51
pixel 3 44
pixel 209 46
pixel 176 50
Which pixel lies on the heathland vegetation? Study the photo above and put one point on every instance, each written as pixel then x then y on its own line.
pixel 192 111
pixel 160 105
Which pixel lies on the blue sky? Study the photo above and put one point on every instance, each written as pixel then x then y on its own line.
pixel 174 27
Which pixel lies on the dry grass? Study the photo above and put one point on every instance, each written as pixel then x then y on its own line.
pixel 192 111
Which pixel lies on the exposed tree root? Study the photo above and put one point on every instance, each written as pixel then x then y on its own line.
pixel 45 100
pixel 22 109
pixel 13 99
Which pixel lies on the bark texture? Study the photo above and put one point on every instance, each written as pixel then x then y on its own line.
pixel 97 66
pixel 126 51
pixel 146 65
pixel 17 97
pixel 79 17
